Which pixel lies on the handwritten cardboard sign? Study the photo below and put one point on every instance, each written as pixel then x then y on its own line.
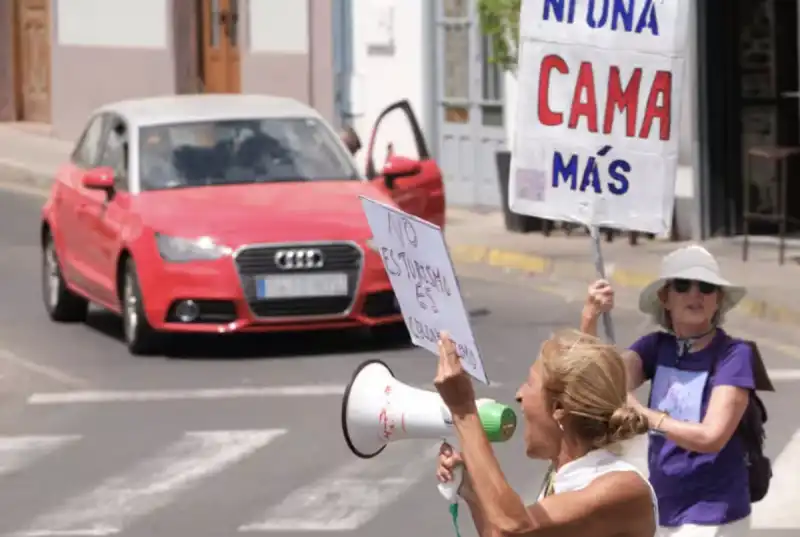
pixel 596 137
pixel 416 259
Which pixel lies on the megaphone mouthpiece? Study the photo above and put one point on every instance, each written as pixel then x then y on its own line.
pixel 499 421
pixel 378 409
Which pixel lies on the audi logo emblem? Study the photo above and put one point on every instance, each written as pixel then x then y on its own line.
pixel 302 258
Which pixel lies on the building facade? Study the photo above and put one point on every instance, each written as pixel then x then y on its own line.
pixel 433 52
pixel 59 59
pixel 350 59
pixel 429 52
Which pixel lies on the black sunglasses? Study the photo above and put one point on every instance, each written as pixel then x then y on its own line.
pixel 683 286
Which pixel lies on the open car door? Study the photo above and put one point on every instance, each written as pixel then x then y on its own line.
pixel 415 183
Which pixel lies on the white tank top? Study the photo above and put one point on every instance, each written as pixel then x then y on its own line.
pixel 578 474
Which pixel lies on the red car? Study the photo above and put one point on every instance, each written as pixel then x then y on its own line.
pixel 224 213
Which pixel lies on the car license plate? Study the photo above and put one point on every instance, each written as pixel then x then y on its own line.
pixel 301 286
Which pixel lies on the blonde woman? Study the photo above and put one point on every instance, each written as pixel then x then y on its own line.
pixel 574 409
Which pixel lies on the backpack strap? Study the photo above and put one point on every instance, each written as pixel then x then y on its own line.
pixel 760 376
pixel 760 379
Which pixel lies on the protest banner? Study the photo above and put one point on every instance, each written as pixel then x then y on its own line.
pixel 597 124
pixel 418 264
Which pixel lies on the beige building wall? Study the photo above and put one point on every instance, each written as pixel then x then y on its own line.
pixel 81 54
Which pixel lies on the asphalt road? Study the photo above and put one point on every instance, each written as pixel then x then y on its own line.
pixel 211 442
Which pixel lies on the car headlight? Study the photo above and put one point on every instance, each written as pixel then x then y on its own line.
pixel 181 250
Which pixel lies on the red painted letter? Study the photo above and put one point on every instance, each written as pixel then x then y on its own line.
pixel 662 85
pixel 626 101
pixel 546 114
pixel 587 109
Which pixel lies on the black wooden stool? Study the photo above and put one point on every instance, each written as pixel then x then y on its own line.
pixel 779 155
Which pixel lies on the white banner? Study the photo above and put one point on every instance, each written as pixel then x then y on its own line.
pixel 416 259
pixel 598 119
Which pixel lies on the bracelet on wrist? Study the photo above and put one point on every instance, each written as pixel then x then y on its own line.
pixel 657 426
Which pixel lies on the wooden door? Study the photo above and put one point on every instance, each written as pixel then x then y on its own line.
pixel 233 36
pixel 32 29
pixel 220 48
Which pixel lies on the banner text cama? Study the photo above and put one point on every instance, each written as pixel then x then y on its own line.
pixel 597 126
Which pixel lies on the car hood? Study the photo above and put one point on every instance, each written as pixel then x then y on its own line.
pixel 240 214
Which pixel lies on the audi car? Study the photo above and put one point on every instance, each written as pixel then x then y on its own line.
pixel 223 214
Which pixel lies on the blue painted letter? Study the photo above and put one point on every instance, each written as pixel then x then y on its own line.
pixel 568 173
pixel 591 177
pixel 624 12
pixel 591 16
pixel 616 170
pixel 557 6
pixel 648 18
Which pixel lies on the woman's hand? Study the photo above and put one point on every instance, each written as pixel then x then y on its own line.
pixel 452 382
pixel 600 298
pixel 448 461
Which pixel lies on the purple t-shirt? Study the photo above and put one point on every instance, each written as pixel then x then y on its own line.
pixel 695 488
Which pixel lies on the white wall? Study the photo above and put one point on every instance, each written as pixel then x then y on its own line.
pixel 389 65
pixel 113 23
pixel 274 28
pixel 399 70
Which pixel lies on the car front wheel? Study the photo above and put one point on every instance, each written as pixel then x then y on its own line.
pixel 140 337
pixel 62 305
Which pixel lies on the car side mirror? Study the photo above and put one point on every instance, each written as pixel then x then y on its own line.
pixel 99 179
pixel 397 167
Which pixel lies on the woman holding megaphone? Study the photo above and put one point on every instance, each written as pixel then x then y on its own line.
pixel 574 410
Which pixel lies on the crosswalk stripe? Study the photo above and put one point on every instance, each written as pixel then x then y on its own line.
pixel 151 484
pixel 145 396
pixel 17 452
pixel 351 496
pixel 343 500
pixel 783 374
pixel 778 509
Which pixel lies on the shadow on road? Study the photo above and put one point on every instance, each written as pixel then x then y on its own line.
pixel 263 346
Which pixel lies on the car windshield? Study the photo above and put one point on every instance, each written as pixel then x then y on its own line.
pixel 240 152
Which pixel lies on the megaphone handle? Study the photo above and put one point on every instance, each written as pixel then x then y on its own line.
pixel 449 490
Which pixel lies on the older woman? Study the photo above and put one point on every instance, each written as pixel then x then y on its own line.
pixel 701 381
pixel 574 408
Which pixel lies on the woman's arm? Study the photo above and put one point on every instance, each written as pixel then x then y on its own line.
pixel 730 395
pixel 500 506
pixel 478 517
pixel 725 410
pixel 613 505
pixel 589 318
pixel 599 298
pixel 633 362
pixel 634 368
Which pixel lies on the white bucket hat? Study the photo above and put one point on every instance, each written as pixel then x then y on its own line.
pixel 690 263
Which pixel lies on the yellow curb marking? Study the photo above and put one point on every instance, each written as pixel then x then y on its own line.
pixel 469 254
pixel 627 278
pixel 506 259
pixel 514 260
pixel 790 351
pixel 500 258
pixel 758 309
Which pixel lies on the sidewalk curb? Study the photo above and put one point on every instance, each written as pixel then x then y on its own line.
pixel 752 307
pixel 24 174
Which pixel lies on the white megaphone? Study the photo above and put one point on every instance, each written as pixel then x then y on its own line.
pixel 378 409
